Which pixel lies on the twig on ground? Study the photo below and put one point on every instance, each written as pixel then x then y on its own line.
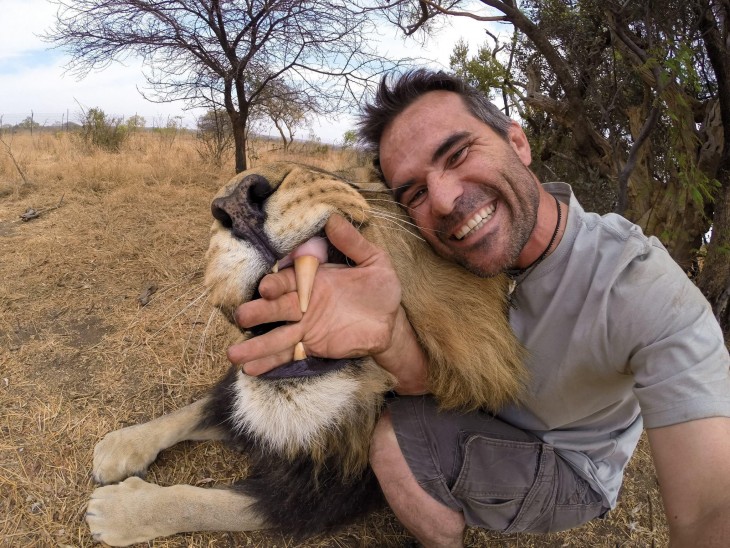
pixel 32 213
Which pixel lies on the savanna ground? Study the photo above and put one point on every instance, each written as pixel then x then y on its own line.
pixel 80 356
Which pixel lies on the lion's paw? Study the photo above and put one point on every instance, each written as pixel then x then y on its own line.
pixel 125 513
pixel 124 453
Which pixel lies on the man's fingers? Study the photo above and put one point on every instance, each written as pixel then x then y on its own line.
pixel 275 343
pixel 260 311
pixel 273 286
pixel 348 240
pixel 264 365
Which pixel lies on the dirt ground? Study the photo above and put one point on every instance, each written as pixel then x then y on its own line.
pixel 80 355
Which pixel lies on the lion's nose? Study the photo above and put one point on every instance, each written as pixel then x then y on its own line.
pixel 243 209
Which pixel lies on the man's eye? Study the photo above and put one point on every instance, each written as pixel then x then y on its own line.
pixel 415 198
pixel 458 156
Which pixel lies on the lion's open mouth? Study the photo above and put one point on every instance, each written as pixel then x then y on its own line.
pixel 310 366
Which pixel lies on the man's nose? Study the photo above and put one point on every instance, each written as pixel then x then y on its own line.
pixel 444 189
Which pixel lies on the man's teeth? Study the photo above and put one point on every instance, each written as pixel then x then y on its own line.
pixel 476 222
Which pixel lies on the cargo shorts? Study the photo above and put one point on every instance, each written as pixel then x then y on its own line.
pixel 500 477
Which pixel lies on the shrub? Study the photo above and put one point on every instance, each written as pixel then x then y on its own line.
pixel 214 136
pixel 101 131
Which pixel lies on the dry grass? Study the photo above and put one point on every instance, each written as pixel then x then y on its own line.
pixel 79 356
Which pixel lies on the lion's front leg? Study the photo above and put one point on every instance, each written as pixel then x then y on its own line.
pixel 137 511
pixel 129 451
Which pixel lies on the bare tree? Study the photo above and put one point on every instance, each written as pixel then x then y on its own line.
pixel 227 54
pixel 288 109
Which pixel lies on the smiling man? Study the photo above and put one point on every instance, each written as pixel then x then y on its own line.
pixel 618 338
pixel 465 185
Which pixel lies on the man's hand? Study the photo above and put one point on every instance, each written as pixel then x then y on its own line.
pixel 353 312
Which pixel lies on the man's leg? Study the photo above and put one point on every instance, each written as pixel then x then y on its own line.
pixel 443 470
pixel 432 523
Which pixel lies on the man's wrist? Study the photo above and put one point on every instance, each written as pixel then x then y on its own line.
pixel 405 359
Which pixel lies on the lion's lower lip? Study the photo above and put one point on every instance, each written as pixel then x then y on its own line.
pixel 309 367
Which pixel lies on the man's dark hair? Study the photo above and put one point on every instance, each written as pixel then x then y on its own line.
pixel 391 100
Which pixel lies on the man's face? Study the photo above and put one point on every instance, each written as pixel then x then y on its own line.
pixel 468 190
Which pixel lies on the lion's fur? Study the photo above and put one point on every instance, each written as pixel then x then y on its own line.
pixel 326 419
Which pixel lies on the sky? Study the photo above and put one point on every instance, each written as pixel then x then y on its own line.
pixel 33 80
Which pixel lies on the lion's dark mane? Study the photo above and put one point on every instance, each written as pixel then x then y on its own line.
pixel 294 496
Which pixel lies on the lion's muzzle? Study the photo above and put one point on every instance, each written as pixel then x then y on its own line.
pixel 242 212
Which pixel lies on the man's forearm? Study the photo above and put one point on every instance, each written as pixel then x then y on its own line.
pixel 405 359
pixel 712 531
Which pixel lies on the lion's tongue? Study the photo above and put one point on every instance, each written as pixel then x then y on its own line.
pixel 315 246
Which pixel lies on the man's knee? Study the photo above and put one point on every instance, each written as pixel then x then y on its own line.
pixel 429 520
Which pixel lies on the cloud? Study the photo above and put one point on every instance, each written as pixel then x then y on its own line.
pixel 20 26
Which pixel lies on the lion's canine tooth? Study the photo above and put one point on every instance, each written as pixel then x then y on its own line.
pixel 299 353
pixel 305 267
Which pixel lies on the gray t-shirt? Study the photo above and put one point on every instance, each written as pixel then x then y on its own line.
pixel 615 333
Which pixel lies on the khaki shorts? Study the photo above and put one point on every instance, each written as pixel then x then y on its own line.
pixel 500 477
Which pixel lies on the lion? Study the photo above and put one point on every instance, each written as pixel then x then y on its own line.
pixel 305 426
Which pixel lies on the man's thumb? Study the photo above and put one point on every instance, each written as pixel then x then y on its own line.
pixel 348 240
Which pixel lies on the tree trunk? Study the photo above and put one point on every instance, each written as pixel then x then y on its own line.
pixel 669 213
pixel 714 280
pixel 239 139
pixel 239 121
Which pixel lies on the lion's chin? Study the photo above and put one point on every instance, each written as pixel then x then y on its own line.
pixel 308 367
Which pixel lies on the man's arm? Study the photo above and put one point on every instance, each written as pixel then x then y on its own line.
pixel 692 461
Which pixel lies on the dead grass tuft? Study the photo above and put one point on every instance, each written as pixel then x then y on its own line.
pixel 80 357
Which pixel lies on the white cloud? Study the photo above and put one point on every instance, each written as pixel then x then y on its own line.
pixel 21 23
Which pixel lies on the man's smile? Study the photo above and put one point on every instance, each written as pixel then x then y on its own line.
pixel 479 219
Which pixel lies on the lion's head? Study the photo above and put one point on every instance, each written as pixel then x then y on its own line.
pixel 460 319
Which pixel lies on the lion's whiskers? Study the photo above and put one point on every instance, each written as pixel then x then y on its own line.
pixel 201 344
pixel 401 217
pixel 203 295
pixel 398 223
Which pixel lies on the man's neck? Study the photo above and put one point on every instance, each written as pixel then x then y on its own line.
pixel 545 237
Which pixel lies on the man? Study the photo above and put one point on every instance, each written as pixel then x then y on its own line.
pixel 617 336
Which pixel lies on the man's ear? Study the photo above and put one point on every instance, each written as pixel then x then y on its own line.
pixel 518 141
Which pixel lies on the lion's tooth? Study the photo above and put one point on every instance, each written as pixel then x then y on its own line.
pixel 305 267
pixel 299 353
pixel 275 268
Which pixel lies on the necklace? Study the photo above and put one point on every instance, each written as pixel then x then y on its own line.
pixel 514 274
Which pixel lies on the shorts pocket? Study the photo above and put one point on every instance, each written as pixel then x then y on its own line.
pixel 495 516
pixel 500 484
